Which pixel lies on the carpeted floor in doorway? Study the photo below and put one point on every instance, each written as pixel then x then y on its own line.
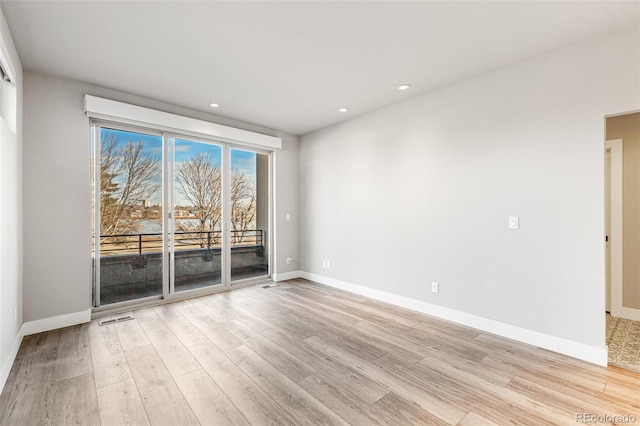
pixel 623 338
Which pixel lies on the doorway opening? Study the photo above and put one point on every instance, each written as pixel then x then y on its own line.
pixel 622 239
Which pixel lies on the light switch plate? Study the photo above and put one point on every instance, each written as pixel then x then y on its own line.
pixel 514 222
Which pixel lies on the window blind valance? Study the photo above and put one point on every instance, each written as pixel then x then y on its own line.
pixel 107 109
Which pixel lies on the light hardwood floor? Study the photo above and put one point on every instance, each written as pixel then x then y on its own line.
pixel 299 354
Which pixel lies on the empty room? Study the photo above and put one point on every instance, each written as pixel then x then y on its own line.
pixel 314 213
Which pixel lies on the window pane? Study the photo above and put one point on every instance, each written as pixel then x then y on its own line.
pixel 198 214
pixel 249 214
pixel 131 242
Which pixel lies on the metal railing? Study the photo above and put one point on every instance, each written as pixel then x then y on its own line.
pixel 145 243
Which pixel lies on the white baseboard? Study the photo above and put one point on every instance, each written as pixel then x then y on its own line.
pixel 593 354
pixel 286 276
pixel 6 368
pixel 52 323
pixel 626 313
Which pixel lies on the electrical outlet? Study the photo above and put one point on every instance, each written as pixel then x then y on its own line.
pixel 289 260
pixel 324 264
pixel 328 264
pixel 435 287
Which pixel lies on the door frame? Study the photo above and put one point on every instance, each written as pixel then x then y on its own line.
pixel 615 148
pixel 271 205
pixel 616 237
pixel 168 228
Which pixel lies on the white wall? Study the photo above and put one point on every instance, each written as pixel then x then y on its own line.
pixel 421 191
pixel 10 209
pixel 287 199
pixel 57 191
pixel 287 183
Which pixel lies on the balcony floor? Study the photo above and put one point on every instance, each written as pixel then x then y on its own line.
pixel 125 292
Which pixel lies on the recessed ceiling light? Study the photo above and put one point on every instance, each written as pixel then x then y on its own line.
pixel 343 109
pixel 214 105
pixel 403 87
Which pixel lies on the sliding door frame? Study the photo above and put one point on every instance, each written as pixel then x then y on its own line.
pixel 95 126
pixel 168 216
pixel 96 148
pixel 270 217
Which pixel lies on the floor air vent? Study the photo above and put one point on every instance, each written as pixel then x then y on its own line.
pixel 115 320
pixel 270 285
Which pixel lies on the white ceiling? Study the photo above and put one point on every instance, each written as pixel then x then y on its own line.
pixel 291 65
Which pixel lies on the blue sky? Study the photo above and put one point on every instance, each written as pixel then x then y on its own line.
pixel 244 161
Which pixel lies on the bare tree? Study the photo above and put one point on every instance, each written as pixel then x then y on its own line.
pixel 243 207
pixel 128 177
pixel 200 182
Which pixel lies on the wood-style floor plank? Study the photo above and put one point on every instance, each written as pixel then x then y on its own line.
pixel 371 313
pixel 497 403
pixel 120 404
pixel 434 402
pixel 75 402
pixel 341 401
pixel 299 354
pixel 280 316
pixel 36 342
pixel 490 375
pixel 130 334
pixel 211 329
pixel 625 390
pixel 74 353
pixel 286 363
pixel 163 401
pixel 239 312
pixel 473 419
pixel 285 392
pixel 555 399
pixel 28 395
pixel 109 363
pixel 207 305
pixel 395 410
pixel 606 402
pixel 340 373
pixel 208 402
pixel 287 316
pixel 183 329
pixel 254 403
pixel 322 309
pixel 174 354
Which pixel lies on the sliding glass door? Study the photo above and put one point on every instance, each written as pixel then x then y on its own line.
pixel 173 214
pixel 249 214
pixel 127 201
pixel 197 245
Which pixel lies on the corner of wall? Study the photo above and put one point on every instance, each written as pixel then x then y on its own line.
pixel 287 206
pixel 7 363
pixel 11 244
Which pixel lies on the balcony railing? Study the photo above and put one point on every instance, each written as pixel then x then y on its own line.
pixel 145 243
pixel 132 265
